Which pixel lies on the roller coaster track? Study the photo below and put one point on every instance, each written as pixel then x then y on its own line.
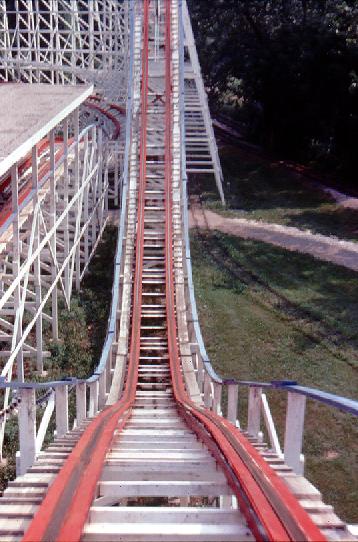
pixel 155 462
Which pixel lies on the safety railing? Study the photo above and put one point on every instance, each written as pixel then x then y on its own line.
pixel 51 400
pixel 213 388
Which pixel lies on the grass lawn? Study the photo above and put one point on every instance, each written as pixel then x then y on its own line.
pixel 269 314
pixel 259 190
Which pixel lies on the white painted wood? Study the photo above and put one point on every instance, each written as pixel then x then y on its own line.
pixel 254 411
pixel 217 398
pixel 173 488
pixel 152 514
pixel 27 430
pixel 41 433
pixel 295 417
pixel 232 402
pixel 207 390
pixel 80 402
pixel 93 400
pixel 61 399
pixel 270 426
pixel 177 532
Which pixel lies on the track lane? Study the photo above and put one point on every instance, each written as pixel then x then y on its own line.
pixel 65 508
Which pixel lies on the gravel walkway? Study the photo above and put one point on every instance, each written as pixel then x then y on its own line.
pixel 330 249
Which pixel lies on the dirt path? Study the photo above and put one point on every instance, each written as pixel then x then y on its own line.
pixel 330 249
pixel 348 202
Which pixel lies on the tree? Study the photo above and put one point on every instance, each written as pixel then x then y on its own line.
pixel 294 66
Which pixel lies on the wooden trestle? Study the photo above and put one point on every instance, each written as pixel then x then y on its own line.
pixel 171 470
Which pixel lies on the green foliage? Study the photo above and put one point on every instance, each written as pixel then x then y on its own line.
pixel 267 314
pixel 82 329
pixel 291 68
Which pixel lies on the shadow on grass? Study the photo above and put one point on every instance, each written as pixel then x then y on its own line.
pixel 262 191
pixel 255 304
pixel 297 285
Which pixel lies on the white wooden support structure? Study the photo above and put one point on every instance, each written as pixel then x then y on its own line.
pixel 80 403
pixel 202 152
pixel 27 431
pixel 232 402
pixel 207 390
pixel 217 398
pixel 295 418
pixel 42 430
pixel 93 399
pixel 270 426
pixel 254 411
pixel 61 404
pixel 57 187
pixel 82 42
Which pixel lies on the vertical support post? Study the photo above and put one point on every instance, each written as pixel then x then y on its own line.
pixel 110 366
pixel 85 209
pixel 61 404
pixel 93 404
pixel 94 194
pixel 100 176
pixel 29 40
pixel 116 174
pixel 80 402
pixel 73 46
pixel 102 390
pixel 54 294
pixel 201 373
pixel 207 390
pixel 232 402
pixel 77 185
pixel 51 47
pixel 194 359
pixel 27 430
pixel 65 199
pixel 16 263
pixel 91 33
pixel 37 263
pixel 254 412
pixel 217 398
pixel 295 417
pixel 225 501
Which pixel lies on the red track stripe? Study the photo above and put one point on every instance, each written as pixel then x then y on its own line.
pixel 50 514
pixel 77 515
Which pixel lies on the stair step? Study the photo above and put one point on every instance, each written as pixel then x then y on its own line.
pixel 174 532
pixel 151 514
pixel 171 488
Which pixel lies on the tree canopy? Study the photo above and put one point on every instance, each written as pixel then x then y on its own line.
pixel 291 68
